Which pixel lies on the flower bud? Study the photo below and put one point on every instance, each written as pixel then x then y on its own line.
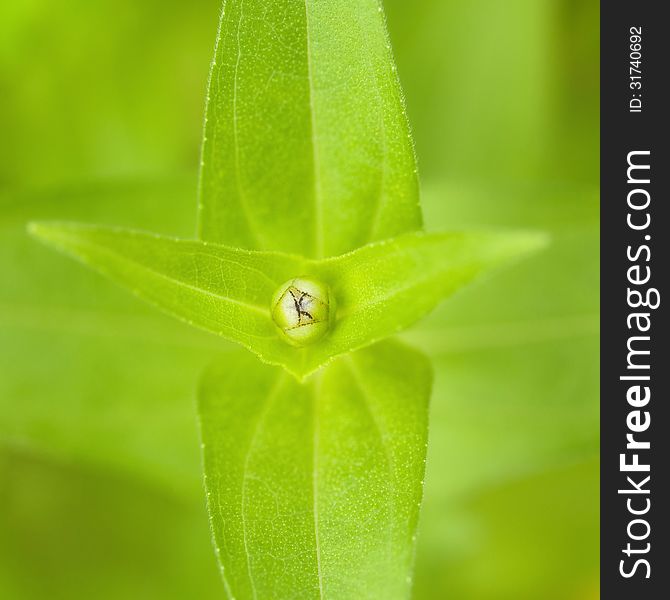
pixel 302 310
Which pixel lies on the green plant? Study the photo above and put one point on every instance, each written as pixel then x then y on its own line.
pixel 314 455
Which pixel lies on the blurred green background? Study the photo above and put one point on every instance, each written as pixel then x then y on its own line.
pixel 100 120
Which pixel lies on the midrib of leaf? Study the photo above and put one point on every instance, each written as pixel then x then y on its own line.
pixel 315 171
pixel 133 264
pixel 337 499
pixel 255 307
pixel 316 162
pixel 232 262
pixel 257 429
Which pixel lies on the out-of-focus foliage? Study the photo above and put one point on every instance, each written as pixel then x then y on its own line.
pixel 72 531
pixel 98 447
pixel 101 89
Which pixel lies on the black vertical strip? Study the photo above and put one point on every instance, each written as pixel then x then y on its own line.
pixel 635 260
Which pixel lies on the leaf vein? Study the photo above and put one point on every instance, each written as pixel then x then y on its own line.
pixel 241 193
pixel 316 159
pixel 383 436
pixel 272 396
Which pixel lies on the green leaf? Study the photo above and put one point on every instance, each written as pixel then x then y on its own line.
pixel 378 289
pixel 314 488
pixel 307 148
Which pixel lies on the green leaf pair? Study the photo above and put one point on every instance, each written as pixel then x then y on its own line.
pixel 378 289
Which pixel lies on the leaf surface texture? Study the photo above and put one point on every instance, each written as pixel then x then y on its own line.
pixel 314 489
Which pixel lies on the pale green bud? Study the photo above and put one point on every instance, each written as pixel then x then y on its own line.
pixel 302 309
